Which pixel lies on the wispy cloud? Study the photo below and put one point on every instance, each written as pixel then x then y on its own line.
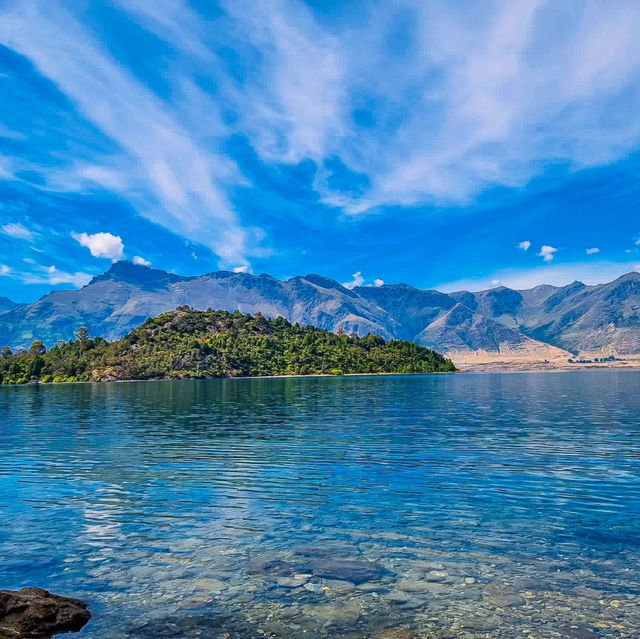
pixel 525 246
pixel 592 251
pixel 476 96
pixel 51 275
pixel 418 103
pixel 18 231
pixel 166 165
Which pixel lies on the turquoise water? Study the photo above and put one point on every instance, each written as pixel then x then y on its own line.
pixel 495 505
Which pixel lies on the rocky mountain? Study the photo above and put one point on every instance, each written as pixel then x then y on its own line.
pixel 119 300
pixel 6 303
pixel 582 319
pixel 542 322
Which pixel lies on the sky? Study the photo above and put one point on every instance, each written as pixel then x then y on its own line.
pixel 449 144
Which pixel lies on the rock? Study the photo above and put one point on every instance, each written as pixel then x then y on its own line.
pixel 290 582
pixel 504 599
pixel 272 565
pixel 34 613
pixel 371 586
pixel 502 596
pixel 397 597
pixel 480 624
pixel 413 585
pixel 336 585
pixel 395 633
pixel 313 587
pixel 355 571
pixel 576 632
pixel 207 585
pixel 342 614
pixel 436 576
pixel 417 586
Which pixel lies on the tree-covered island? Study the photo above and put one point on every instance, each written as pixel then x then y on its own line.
pixel 186 343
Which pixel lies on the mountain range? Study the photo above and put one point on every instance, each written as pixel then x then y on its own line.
pixel 541 322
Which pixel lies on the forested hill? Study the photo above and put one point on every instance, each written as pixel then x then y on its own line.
pixel 186 343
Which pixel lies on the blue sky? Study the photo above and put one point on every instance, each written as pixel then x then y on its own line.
pixel 442 144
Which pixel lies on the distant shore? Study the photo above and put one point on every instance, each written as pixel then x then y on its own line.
pixel 533 366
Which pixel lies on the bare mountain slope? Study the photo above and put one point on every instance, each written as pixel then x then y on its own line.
pixel 6 303
pixel 120 299
pixel 497 322
pixel 603 318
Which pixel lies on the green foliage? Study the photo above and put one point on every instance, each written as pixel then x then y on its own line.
pixel 202 344
pixel 37 348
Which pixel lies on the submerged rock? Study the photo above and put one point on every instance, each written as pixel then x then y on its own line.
pixel 34 613
pixel 354 571
pixel 395 633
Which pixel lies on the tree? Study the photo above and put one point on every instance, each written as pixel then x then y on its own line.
pixel 6 352
pixel 37 348
pixel 192 343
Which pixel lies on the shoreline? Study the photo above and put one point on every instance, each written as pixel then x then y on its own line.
pixel 208 379
pixel 537 366
pixel 496 367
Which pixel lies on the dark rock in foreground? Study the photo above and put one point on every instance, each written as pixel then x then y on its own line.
pixel 34 613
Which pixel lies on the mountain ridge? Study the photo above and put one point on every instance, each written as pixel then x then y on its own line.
pixel 543 321
pixel 6 303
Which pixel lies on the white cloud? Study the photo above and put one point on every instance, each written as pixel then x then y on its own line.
pixel 525 246
pixel 101 244
pixel 4 269
pixel 501 88
pixel 357 280
pixel 19 231
pixel 592 251
pixel 489 83
pixel 167 164
pixel 51 275
pixel 546 252
pixel 140 261
pixel 241 269
pixel 378 282
pixel 60 277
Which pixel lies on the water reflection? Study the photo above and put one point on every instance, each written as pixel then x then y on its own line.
pixel 462 506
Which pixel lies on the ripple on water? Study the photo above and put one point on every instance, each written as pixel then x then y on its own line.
pixel 383 507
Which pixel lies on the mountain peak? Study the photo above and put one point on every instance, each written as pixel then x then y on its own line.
pixel 633 276
pixel 6 303
pixel 125 271
pixel 322 281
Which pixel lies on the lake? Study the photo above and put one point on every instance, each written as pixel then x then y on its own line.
pixel 471 505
